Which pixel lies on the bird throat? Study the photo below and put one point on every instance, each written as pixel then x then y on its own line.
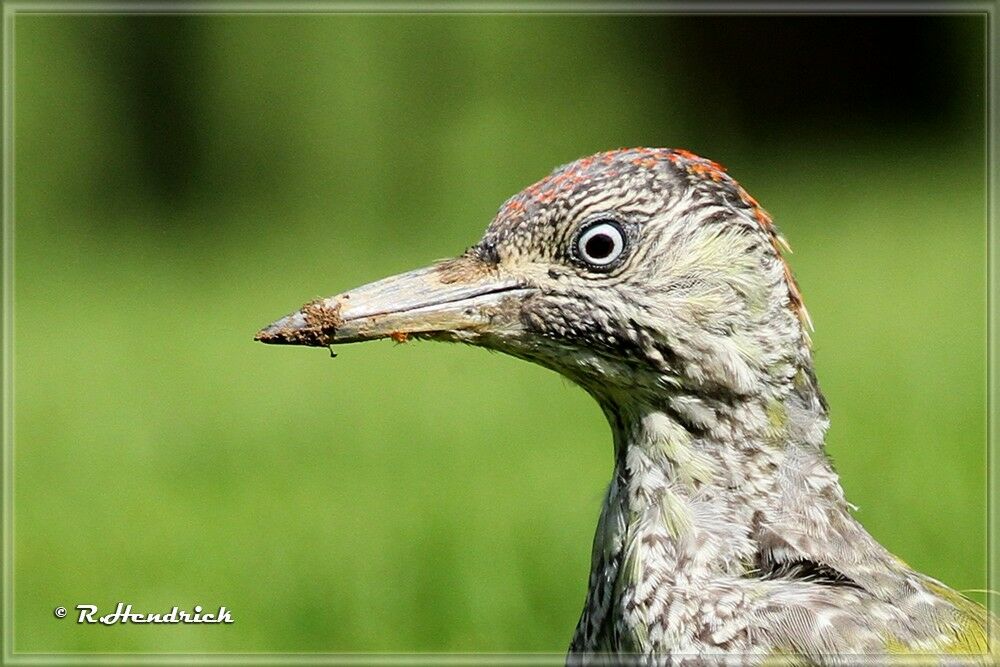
pixel 694 479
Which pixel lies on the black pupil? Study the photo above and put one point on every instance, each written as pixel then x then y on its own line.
pixel 599 246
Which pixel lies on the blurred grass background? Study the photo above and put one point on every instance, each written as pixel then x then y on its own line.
pixel 183 180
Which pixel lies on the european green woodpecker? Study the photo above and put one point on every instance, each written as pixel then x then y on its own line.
pixel 650 278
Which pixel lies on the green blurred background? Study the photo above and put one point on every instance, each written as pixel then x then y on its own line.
pixel 183 180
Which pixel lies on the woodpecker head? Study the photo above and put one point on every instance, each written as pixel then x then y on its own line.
pixel 633 271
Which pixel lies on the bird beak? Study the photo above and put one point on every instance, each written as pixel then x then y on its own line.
pixel 460 299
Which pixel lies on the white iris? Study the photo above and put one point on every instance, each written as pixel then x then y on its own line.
pixel 601 244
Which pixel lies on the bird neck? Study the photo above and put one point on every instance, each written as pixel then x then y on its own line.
pixel 697 482
pixel 696 492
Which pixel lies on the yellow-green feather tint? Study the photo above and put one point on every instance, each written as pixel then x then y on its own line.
pixel 969 636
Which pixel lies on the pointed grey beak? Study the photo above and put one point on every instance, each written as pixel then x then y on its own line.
pixel 458 299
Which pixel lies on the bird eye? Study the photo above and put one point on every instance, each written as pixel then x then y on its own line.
pixel 601 243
